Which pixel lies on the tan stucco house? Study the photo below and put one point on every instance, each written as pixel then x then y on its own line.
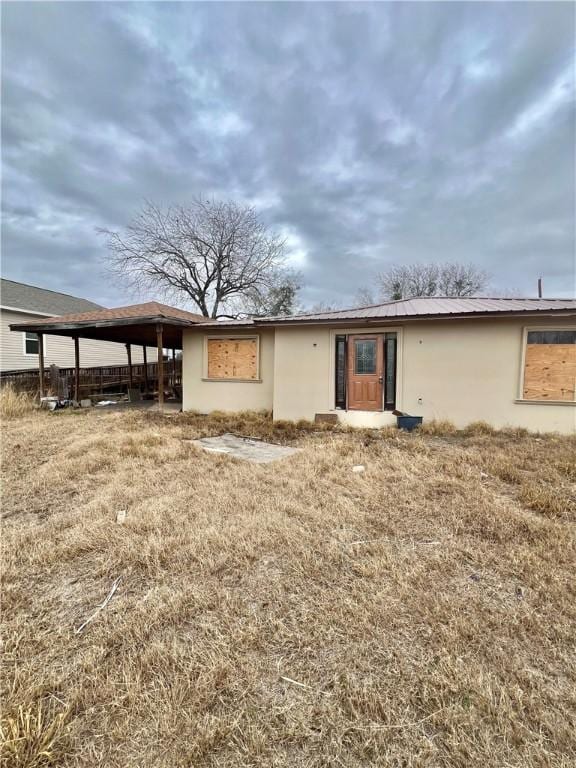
pixel 509 362
pixel 21 303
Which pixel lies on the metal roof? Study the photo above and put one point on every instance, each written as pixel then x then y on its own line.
pixel 433 307
pixel 34 299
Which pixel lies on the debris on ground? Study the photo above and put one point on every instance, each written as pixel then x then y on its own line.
pixel 51 403
pixel 100 607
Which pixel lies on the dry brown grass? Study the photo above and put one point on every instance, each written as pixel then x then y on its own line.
pixel 425 609
pixel 33 738
pixel 15 404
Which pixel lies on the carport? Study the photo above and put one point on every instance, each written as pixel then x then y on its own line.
pixel 147 325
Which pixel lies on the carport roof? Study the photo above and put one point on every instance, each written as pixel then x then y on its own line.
pixel 134 324
pixel 150 309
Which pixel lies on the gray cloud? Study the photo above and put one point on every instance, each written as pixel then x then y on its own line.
pixel 366 133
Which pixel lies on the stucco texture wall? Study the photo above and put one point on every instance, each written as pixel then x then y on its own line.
pixel 304 376
pixel 204 396
pixel 468 371
pixel 463 371
pixel 302 372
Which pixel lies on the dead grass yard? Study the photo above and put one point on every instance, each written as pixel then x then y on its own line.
pixel 422 613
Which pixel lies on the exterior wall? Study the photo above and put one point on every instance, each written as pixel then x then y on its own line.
pixel 302 372
pixel 463 371
pixel 304 376
pixel 59 349
pixel 468 371
pixel 204 396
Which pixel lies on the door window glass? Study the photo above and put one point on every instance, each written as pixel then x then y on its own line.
pixel 365 356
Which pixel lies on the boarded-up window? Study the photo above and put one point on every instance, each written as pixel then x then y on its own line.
pixel 550 365
pixel 233 359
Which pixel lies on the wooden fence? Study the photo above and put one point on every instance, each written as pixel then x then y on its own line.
pixel 103 379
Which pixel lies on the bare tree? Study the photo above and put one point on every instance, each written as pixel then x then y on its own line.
pixel 405 281
pixel 456 279
pixel 280 299
pixel 323 306
pixel 218 255
pixel 364 297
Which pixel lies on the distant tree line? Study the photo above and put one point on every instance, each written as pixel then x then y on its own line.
pixel 405 281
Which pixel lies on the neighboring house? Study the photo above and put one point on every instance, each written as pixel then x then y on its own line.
pixel 20 303
pixel 509 362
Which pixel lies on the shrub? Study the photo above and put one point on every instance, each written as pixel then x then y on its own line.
pixel 438 427
pixel 479 428
pixel 15 404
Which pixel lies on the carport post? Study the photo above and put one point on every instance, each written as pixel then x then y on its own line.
pixel 76 369
pixel 41 363
pixel 160 366
pixel 145 358
pixel 129 353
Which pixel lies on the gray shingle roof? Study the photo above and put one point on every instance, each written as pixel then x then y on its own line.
pixel 33 299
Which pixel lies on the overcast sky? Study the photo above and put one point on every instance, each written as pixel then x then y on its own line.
pixel 368 134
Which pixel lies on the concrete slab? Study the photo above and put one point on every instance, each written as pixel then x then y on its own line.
pixel 170 406
pixel 256 451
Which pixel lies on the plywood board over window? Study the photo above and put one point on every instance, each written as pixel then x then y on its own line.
pixel 233 359
pixel 550 366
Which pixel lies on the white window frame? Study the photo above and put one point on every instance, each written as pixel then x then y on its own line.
pixel 525 332
pixel 33 354
pixel 231 337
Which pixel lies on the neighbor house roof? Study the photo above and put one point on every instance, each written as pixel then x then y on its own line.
pixel 30 298
pixel 421 307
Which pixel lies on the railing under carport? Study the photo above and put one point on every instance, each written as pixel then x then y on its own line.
pixel 145 325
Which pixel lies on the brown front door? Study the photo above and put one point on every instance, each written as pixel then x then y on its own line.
pixel 365 372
